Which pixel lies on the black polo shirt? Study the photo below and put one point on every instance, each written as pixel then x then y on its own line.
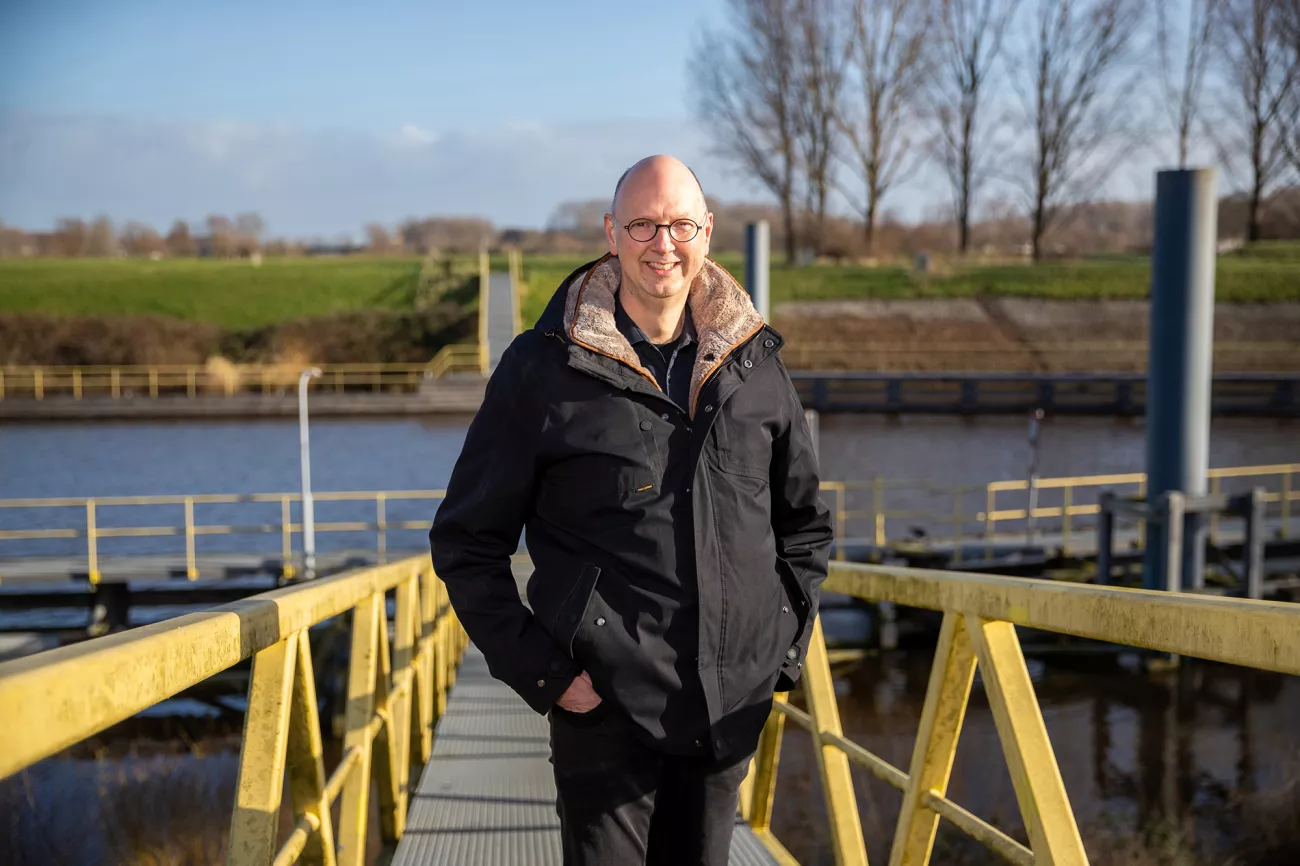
pixel 671 362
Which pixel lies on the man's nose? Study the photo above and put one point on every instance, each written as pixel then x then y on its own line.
pixel 662 241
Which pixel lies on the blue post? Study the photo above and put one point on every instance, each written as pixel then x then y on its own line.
pixel 758 257
pixel 1179 366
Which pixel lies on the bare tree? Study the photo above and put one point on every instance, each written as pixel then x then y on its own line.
pixel 1184 54
pixel 748 93
pixel 1289 35
pixel 222 240
pixel 178 241
pixel 821 54
pixel 1262 76
pixel 102 239
pixel 1076 105
pixel 969 36
pixel 887 71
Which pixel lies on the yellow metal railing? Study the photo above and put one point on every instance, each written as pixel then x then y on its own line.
pixel 980 615
pixel 861 510
pixel 396 691
pixel 866 511
pixel 195 380
pixel 93 508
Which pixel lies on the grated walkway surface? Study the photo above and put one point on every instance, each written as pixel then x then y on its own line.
pixel 487 797
pixel 501 316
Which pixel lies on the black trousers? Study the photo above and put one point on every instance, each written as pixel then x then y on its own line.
pixel 623 804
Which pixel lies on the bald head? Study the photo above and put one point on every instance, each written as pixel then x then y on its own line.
pixel 658 170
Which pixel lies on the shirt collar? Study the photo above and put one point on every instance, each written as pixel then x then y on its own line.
pixel 628 328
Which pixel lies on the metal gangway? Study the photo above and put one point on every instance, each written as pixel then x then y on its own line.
pixel 499 309
pixel 460 765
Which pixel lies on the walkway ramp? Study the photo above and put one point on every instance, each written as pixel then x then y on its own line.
pixel 487 797
pixel 502 317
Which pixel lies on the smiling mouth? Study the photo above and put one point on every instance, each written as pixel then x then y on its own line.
pixel 662 267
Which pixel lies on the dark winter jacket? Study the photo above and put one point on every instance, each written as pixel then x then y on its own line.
pixel 576 443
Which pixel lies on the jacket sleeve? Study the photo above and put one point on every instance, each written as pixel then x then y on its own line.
pixel 800 521
pixel 477 529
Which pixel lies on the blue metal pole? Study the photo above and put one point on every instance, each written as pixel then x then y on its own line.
pixel 1180 362
pixel 758 257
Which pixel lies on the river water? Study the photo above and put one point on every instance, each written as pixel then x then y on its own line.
pixel 1196 763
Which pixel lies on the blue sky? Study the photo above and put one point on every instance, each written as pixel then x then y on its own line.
pixel 325 115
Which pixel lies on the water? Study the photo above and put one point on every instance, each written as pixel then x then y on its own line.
pixel 138 459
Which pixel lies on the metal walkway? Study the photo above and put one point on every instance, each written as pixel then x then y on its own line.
pixel 501 317
pixel 487 795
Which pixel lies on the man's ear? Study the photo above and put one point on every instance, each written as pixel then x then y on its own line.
pixel 611 234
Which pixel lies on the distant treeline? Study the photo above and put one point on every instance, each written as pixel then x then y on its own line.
pixel 576 228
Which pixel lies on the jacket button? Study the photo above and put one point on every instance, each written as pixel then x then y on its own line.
pixel 748 363
pixel 792 653
pixel 717 743
pixel 600 620
pixel 645 425
pixel 541 684
pixel 708 408
pixel 664 416
pixel 785 608
pixel 769 343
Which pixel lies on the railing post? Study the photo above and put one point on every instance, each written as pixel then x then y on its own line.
pixel 989 504
pixel 262 757
pixel 38 383
pixel 286 538
pixel 92 543
pixel 832 763
pixel 878 509
pixel 959 524
pixel 760 784
pixel 1105 535
pixel 946 697
pixel 115 382
pixel 2 384
pixel 1035 775
pixel 1286 504
pixel 305 760
pixel 191 569
pixel 363 669
pixel 382 527
pixel 1253 546
pixel 76 383
pixel 1067 502
pixel 1216 487
pixel 190 387
pixel 153 382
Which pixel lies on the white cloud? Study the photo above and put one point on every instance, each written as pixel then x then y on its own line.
pixel 412 134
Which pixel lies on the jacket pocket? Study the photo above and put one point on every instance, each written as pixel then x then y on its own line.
pixel 572 609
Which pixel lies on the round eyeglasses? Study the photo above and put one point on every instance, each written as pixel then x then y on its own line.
pixel 644 230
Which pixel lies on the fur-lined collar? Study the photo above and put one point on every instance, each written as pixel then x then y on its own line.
pixel 723 313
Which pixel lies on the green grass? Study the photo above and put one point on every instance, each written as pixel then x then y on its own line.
pixel 234 294
pixel 1267 272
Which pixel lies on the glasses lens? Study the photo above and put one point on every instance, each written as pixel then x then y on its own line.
pixel 641 230
pixel 683 230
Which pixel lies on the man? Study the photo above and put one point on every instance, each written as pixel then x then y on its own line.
pixel 647 437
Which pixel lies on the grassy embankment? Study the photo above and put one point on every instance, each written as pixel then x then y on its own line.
pixel 1267 272
pixel 361 308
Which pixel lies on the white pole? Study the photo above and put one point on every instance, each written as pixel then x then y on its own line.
pixel 304 443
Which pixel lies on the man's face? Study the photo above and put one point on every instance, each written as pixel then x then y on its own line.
pixel 661 267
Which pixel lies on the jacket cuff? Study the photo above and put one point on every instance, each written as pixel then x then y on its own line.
pixel 542 692
pixel 788 678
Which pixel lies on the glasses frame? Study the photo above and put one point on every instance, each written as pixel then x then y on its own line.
pixel 669 226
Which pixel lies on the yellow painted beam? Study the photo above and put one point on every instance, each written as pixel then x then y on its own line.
pixel 354 811
pixel 1044 805
pixel 762 778
pixel 946 697
pixel 305 762
pixel 256 820
pixel 832 764
pixel 1258 634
